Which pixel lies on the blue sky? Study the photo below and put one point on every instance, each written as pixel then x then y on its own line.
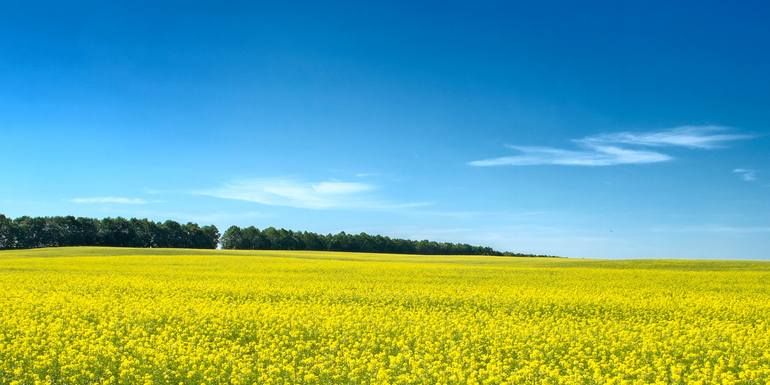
pixel 607 129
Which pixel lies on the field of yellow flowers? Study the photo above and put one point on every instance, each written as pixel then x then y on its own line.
pixel 130 316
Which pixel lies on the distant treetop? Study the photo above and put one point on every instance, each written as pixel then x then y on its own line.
pixel 252 238
pixel 32 232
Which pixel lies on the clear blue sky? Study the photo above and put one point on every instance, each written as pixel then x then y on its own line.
pixel 606 129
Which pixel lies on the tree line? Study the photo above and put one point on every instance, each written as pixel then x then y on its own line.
pixel 32 232
pixel 252 238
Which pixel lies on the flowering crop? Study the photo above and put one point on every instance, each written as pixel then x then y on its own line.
pixel 132 316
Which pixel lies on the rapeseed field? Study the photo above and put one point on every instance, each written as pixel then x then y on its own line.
pixel 133 316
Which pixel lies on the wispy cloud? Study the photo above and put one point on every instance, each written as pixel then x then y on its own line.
pixel 747 175
pixel 617 148
pixel 703 137
pixel 110 200
pixel 308 195
pixel 591 156
pixel 340 187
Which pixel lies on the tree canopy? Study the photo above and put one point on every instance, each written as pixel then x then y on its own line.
pixel 252 238
pixel 31 232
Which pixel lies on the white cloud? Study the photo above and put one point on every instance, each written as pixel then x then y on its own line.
pixel 341 187
pixel 703 137
pixel 308 195
pixel 592 156
pixel 616 148
pixel 746 174
pixel 110 200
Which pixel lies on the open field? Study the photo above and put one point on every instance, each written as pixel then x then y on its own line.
pixel 141 316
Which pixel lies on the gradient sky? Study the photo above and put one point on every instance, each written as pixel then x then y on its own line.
pixel 611 130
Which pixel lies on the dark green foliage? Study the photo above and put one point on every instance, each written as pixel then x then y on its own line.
pixel 28 232
pixel 32 232
pixel 251 238
pixel 7 233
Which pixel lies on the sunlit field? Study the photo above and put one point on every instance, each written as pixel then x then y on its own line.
pixel 132 316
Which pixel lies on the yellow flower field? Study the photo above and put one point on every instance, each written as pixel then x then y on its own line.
pixel 131 316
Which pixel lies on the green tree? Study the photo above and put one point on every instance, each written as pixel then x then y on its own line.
pixel 232 238
pixel 8 233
